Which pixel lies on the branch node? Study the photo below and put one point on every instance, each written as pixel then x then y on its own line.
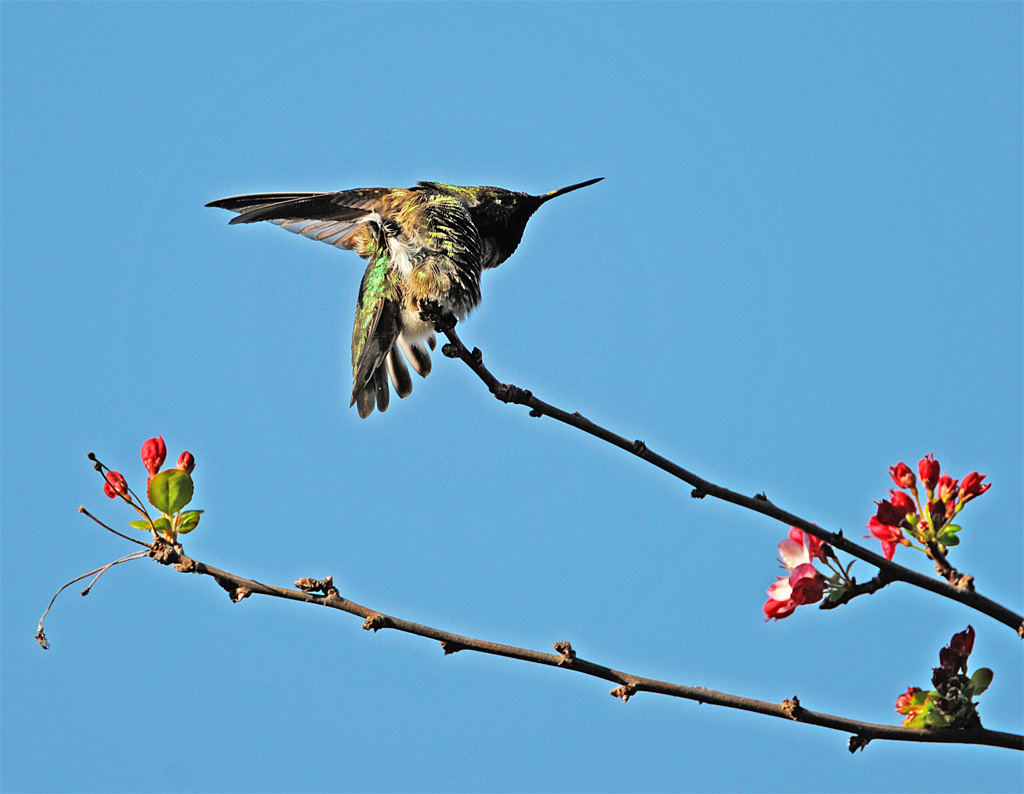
pixel 858 742
pixel 762 497
pixel 41 639
pixel 568 654
pixel 375 622
pixel 792 707
pixel 311 585
pixel 624 692
pixel 697 493
pixel 478 355
pixel 450 646
pixel 639 447
pixel 236 592
pixel 963 582
pixel 185 565
pixel 450 350
pixel 508 393
pixel 164 552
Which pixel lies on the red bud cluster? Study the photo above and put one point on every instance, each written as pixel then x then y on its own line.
pixel 951 703
pixel 930 521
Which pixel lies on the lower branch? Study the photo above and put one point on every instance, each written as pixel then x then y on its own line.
pixel 323 593
pixel 701 488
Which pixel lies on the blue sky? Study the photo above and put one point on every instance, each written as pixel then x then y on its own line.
pixel 804 265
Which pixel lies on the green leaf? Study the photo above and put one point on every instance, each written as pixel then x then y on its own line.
pixel 142 524
pixel 979 682
pixel 170 490
pixel 163 526
pixel 936 719
pixel 188 521
pixel 948 536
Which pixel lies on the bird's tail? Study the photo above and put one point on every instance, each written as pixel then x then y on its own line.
pixel 370 388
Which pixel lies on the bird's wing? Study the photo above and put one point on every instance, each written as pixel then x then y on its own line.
pixel 332 218
pixel 375 332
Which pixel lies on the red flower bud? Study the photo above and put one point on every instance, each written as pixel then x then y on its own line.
pixel 903 476
pixel 889 513
pixel 963 642
pixel 902 502
pixel 971 486
pixel 948 488
pixel 938 512
pixel 778 609
pixel 115 485
pixel 905 699
pixel 887 533
pixel 186 462
pixel 807 583
pixel 154 453
pixel 928 468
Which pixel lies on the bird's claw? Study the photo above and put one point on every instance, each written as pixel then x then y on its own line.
pixel 431 312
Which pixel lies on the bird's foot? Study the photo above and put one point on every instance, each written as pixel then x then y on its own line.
pixel 432 312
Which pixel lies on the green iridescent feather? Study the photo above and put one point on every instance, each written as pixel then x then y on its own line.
pixel 376 324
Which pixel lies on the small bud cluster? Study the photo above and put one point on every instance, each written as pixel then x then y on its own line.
pixel 931 521
pixel 951 703
pixel 168 491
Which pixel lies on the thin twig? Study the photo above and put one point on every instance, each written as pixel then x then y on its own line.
pixel 760 504
pixel 85 512
pixel 627 684
pixel 135 555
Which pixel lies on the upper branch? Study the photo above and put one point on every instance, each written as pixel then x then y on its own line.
pixel 890 571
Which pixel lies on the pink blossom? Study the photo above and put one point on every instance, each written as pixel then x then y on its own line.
pixel 816 547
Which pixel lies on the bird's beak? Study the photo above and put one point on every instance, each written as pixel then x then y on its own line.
pixel 561 191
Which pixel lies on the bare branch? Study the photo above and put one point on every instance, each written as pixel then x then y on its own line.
pixel 507 393
pixel 323 593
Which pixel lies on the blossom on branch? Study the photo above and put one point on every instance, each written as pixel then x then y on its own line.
pixel 805 584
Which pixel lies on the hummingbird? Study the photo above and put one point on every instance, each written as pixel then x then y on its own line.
pixel 426 247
